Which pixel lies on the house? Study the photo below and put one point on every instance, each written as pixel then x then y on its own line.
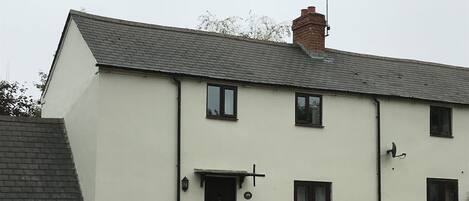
pixel 163 113
pixel 36 161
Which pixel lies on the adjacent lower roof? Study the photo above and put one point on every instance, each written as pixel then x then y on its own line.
pixel 35 161
pixel 125 44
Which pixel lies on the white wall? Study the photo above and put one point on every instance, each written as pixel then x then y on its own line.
pixel 407 124
pixel 343 152
pixel 136 151
pixel 72 95
pixel 71 76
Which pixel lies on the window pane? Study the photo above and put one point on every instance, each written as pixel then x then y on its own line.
pixel 312 191
pixel 229 102
pixel 301 113
pixel 451 192
pixel 450 196
pixel 315 109
pixel 433 192
pixel 320 193
pixel 434 120
pixel 213 104
pixel 301 193
pixel 445 121
pixel 440 121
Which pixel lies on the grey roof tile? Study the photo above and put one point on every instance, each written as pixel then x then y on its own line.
pixel 142 46
pixel 36 161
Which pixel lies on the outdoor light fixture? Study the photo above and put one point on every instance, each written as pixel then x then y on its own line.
pixel 185 184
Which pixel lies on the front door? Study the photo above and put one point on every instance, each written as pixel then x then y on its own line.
pixel 220 189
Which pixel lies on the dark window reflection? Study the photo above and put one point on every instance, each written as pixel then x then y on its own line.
pixel 301 113
pixel 301 193
pixel 312 191
pixel 308 110
pixel 442 190
pixel 315 109
pixel 221 101
pixel 213 96
pixel 229 102
pixel 440 121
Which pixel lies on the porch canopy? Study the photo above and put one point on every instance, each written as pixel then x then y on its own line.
pixel 240 174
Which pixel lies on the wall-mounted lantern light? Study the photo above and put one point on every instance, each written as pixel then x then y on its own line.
pixel 185 184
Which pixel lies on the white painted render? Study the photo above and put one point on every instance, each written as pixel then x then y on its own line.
pixel 110 120
pixel 136 152
pixel 73 74
pixel 122 128
pixel 72 94
pixel 343 152
pixel 408 124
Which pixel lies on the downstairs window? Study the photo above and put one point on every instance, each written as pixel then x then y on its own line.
pixel 312 191
pixel 442 189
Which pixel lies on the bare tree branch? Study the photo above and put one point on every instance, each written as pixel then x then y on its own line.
pixel 261 28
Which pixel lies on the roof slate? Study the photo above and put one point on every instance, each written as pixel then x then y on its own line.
pixel 35 161
pixel 126 44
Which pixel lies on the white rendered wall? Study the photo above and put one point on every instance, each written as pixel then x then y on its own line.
pixel 71 76
pixel 343 152
pixel 407 123
pixel 136 151
pixel 72 95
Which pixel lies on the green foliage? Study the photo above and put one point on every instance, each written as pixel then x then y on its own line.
pixel 14 100
pixel 261 28
pixel 42 81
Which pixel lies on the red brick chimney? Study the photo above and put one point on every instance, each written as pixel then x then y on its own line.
pixel 309 30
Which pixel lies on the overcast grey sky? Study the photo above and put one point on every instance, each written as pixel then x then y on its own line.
pixel 436 30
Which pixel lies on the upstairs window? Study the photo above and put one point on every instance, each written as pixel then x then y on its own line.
pixel 312 191
pixel 442 190
pixel 440 121
pixel 308 110
pixel 221 102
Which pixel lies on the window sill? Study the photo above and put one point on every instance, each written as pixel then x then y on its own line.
pixel 222 118
pixel 309 125
pixel 441 136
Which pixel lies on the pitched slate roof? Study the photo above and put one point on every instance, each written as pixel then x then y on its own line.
pixel 134 45
pixel 35 161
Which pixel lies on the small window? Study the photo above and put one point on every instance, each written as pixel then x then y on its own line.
pixel 221 102
pixel 440 121
pixel 442 189
pixel 312 191
pixel 308 110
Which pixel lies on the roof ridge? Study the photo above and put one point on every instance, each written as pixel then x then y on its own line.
pixel 31 119
pixel 176 29
pixel 414 61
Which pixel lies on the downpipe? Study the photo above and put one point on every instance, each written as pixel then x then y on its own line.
pixel 178 134
pixel 378 146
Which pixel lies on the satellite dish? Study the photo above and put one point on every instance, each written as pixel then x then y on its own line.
pixel 393 152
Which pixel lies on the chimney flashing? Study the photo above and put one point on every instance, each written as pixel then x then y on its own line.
pixel 313 54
